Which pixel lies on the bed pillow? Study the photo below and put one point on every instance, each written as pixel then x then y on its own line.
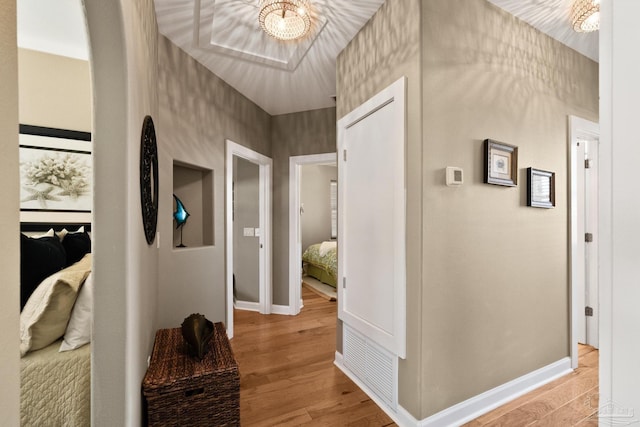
pixel 64 232
pixel 78 332
pixel 39 259
pixel 46 314
pixel 76 245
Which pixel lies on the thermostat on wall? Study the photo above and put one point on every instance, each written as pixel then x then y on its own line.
pixel 454 176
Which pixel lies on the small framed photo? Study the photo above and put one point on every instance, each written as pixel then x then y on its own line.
pixel 541 188
pixel 500 163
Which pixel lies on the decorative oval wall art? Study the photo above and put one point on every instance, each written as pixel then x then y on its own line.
pixel 149 179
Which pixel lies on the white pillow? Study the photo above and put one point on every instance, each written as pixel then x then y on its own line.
pixel 49 233
pixel 78 331
pixel 45 316
pixel 64 232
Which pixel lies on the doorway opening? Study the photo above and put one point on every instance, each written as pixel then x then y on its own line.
pixel 314 224
pixel 248 239
pixel 584 138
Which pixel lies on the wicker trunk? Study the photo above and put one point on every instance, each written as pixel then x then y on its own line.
pixel 181 390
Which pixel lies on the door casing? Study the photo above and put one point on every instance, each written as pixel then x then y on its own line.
pixel 266 165
pixel 295 250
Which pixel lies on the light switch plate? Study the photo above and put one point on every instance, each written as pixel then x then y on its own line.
pixel 256 232
pixel 248 232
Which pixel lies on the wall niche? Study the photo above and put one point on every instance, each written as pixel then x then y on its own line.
pixel 193 185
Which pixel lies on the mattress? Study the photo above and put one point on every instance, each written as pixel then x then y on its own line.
pixel 55 388
pixel 321 262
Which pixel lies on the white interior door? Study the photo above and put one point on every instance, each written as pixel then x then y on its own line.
pixel 262 233
pixel 592 305
pixel 584 137
pixel 371 219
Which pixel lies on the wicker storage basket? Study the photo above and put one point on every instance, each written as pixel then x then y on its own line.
pixel 181 390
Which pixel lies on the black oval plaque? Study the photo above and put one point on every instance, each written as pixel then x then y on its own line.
pixel 149 179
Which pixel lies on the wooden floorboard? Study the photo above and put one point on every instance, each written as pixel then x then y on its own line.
pixel 287 378
pixel 571 400
pixel 287 375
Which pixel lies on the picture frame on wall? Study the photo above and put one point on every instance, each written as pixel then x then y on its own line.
pixel 500 163
pixel 541 188
pixel 56 177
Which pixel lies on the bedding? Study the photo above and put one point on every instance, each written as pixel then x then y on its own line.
pixel 47 312
pixel 320 260
pixel 55 373
pixel 56 387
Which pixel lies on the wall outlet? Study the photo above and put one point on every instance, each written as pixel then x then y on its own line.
pixel 256 232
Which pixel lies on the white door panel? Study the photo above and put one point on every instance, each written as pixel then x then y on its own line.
pixel 371 219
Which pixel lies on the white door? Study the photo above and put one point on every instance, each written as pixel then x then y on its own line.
pixel 371 219
pixel 592 309
pixel 259 236
pixel 584 234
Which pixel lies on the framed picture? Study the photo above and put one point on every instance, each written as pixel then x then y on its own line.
pixel 500 163
pixel 541 188
pixel 55 175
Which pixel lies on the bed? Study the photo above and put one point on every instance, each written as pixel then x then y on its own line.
pixel 320 261
pixel 55 327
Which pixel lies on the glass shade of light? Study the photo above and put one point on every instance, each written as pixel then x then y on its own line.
pixel 586 15
pixel 285 19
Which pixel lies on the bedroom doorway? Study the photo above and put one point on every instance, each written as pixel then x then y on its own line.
pixel 314 223
pixel 248 231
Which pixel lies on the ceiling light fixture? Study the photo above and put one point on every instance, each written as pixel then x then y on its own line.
pixel 285 19
pixel 586 15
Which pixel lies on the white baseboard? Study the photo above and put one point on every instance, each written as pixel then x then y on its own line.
pixel 254 306
pixel 471 408
pixel 245 305
pixel 281 309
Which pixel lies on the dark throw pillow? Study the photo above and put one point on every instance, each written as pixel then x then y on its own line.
pixel 76 245
pixel 39 259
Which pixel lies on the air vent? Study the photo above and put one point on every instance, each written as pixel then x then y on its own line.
pixel 373 365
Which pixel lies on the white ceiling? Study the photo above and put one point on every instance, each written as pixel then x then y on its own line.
pixel 224 35
pixel 553 17
pixel 56 27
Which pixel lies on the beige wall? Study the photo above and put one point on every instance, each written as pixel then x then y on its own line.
pixel 55 91
pixel 198 112
pixel 9 219
pixel 246 208
pixel 495 285
pixel 386 49
pixel 478 259
pixel 296 134
pixel 315 195
pixel 124 74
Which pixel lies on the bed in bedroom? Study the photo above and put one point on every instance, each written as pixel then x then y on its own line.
pixel 55 326
pixel 320 261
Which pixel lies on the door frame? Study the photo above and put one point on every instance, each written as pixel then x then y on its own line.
pixel 266 167
pixel 578 128
pixel 295 238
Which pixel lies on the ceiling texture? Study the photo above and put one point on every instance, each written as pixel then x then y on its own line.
pixel 280 77
pixel 224 35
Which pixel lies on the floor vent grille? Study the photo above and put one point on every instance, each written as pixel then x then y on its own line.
pixel 373 365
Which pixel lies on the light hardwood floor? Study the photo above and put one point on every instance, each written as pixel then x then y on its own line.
pixel 287 378
pixel 568 401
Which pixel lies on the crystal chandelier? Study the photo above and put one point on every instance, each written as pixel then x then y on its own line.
pixel 285 19
pixel 586 15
